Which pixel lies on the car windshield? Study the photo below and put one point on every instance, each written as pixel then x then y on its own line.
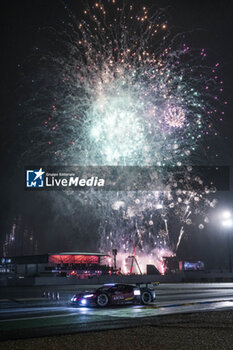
pixel 104 288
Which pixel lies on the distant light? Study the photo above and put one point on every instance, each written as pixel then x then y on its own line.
pixel 226 214
pixel 227 223
pixel 159 206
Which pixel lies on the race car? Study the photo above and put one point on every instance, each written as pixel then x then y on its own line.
pixel 112 294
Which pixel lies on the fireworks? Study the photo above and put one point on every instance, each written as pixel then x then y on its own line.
pixel 174 117
pixel 119 89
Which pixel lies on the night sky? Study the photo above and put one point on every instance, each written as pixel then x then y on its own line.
pixel 211 25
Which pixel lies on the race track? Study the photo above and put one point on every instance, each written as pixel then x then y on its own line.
pixel 27 317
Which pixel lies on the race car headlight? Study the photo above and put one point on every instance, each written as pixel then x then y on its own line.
pixel 83 302
pixel 137 292
pixel 88 295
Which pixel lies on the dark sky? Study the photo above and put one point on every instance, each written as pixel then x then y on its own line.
pixel 212 23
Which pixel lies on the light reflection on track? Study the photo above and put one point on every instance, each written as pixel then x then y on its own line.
pixel 155 309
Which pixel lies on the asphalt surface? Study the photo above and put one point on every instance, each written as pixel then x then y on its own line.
pixel 22 317
pixel 188 331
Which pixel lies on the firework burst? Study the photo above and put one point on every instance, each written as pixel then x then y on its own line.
pixel 122 90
